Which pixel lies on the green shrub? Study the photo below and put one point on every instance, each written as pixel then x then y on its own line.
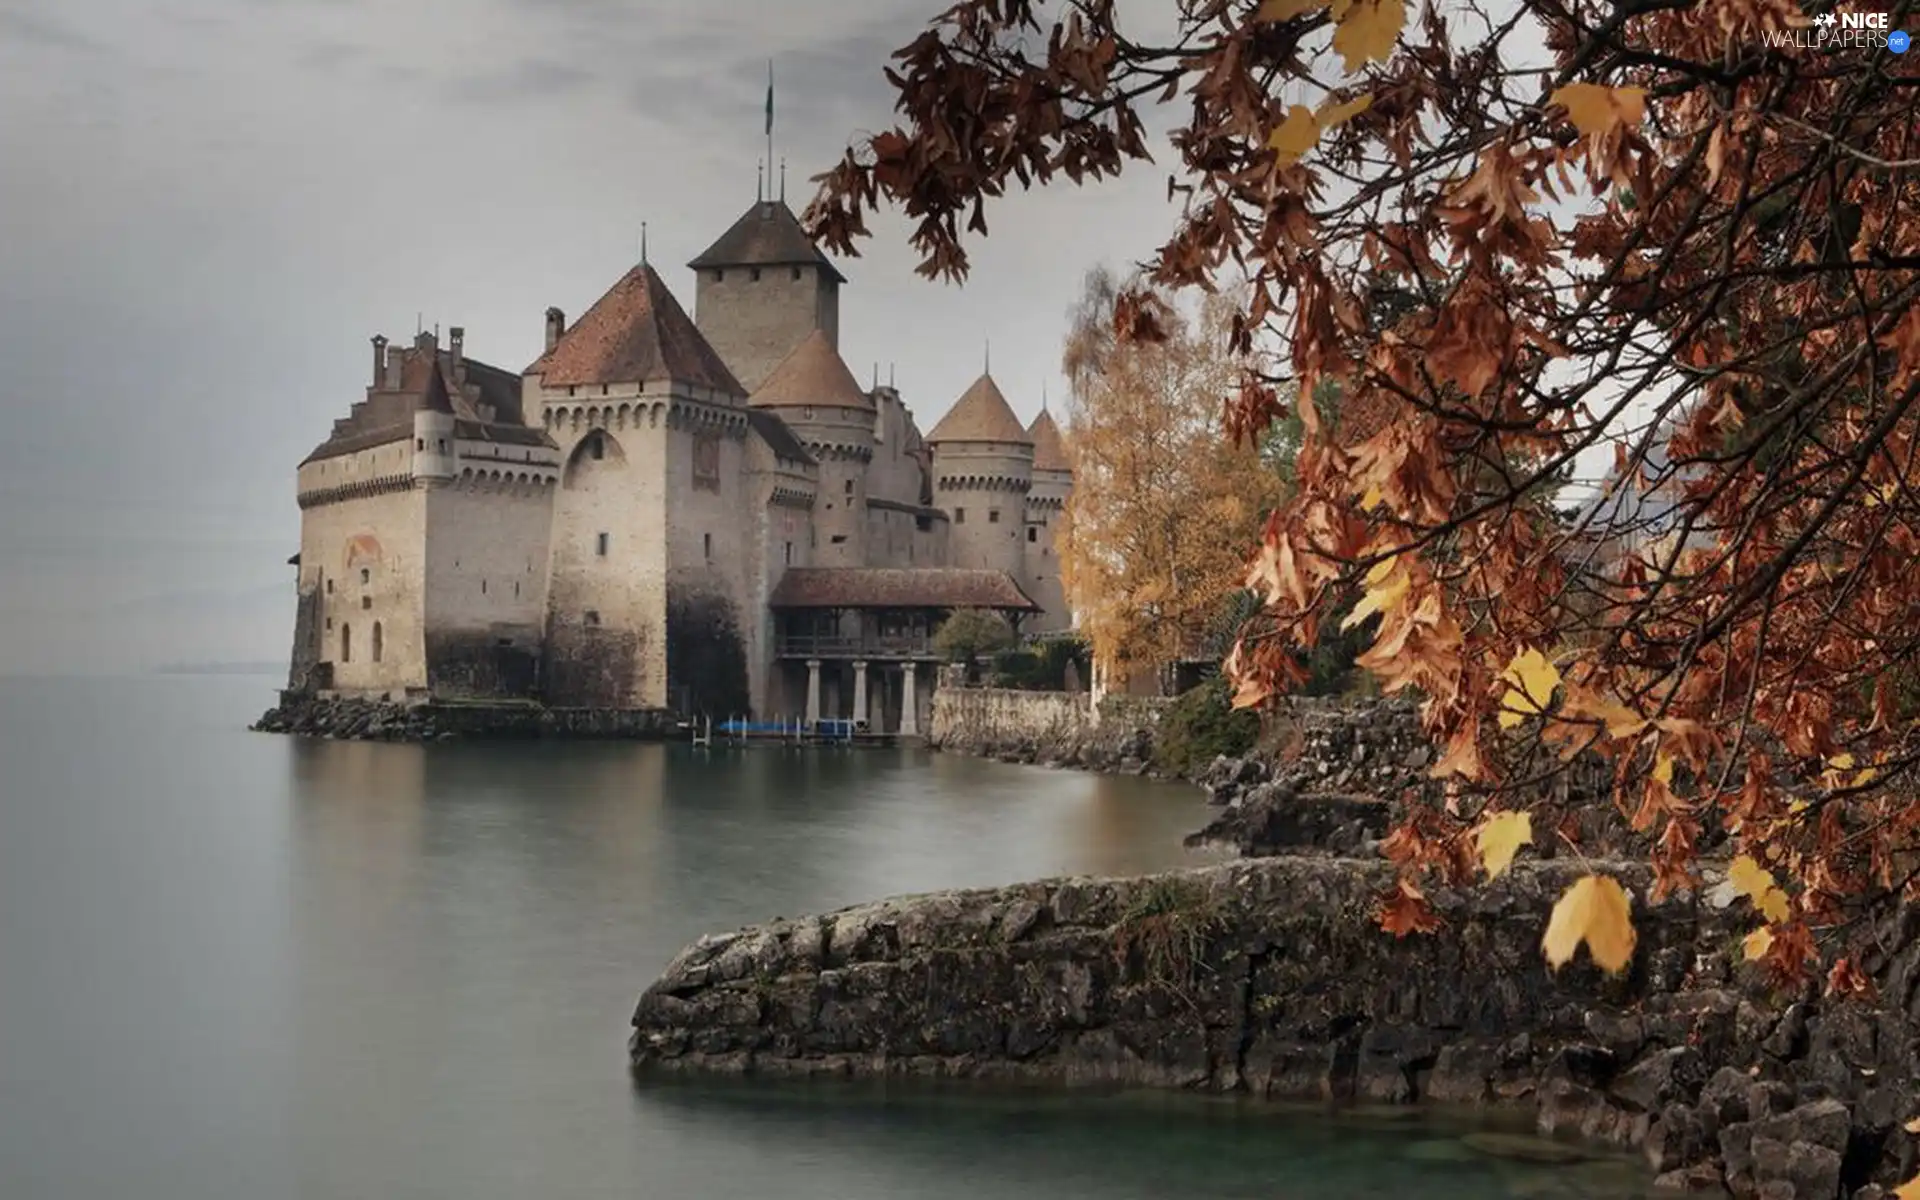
pixel 971 633
pixel 1202 724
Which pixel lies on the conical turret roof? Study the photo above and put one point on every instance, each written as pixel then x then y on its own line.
pixel 813 373
pixel 981 414
pixel 766 235
pixel 636 333
pixel 1049 445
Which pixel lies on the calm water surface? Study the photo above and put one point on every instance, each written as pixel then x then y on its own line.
pixel 238 966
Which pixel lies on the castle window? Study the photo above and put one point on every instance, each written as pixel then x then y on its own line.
pixel 329 587
pixel 849 487
pixel 379 641
pixel 346 643
pixel 443 445
pixel 754 274
pixel 419 443
pixel 706 545
pixel 838 538
pixel 329 622
pixel 366 602
pixel 796 272
pixel 516 589
pixel 366 575
pixel 719 276
pixel 1033 535
pixel 483 587
pixel 789 553
pixel 591 617
pixel 598 448
pixel 600 542
pixel 959 516
pixel 993 516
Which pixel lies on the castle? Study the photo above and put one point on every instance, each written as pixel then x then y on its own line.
pixel 704 515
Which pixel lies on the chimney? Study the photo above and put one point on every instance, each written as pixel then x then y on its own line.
pixel 556 325
pixel 379 358
pixel 456 343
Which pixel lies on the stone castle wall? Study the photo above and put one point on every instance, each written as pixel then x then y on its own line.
pixel 383 534
pixel 755 316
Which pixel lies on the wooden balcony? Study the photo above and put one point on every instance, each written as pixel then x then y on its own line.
pixel 870 647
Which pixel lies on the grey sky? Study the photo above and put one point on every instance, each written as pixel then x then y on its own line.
pixel 208 206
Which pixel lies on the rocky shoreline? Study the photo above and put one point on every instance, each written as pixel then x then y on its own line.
pixel 1270 977
pixel 368 720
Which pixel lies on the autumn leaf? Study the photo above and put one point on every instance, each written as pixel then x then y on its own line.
pixel 1756 883
pixel 1366 30
pixel 1910 1190
pixel 1595 910
pixel 1296 135
pixel 1286 10
pixel 1533 679
pixel 1500 838
pixel 1386 590
pixel 1406 910
pixel 1756 944
pixel 1332 115
pixel 1596 110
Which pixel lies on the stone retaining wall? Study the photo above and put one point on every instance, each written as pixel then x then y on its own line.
pixel 368 720
pixel 1271 977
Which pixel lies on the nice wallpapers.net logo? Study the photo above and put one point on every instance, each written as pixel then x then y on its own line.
pixel 1844 31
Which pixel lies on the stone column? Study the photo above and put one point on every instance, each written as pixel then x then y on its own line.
pixel 813 692
pixel 909 703
pixel 859 694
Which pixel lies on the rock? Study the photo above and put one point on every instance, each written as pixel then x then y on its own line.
pixel 1692 1181
pixel 1662 1076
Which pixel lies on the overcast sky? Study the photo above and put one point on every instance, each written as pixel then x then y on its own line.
pixel 207 207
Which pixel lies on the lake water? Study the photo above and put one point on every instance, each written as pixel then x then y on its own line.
pixel 236 966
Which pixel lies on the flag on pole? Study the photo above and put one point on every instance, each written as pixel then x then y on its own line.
pixel 769 97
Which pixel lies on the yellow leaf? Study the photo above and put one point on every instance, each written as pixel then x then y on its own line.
pixel 1663 769
pixel 1841 762
pixel 1595 910
pixel 1532 678
pixel 1595 109
pixel 1286 10
pixel 1366 30
pixel 1757 943
pixel 1500 838
pixel 1913 1126
pixel 1910 1190
pixel 1332 116
pixel 1775 906
pixel 1296 135
pixel 1386 591
pixel 1749 878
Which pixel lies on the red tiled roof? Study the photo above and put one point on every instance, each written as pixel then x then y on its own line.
pixel 636 333
pixel 814 373
pixel 1049 446
pixel 981 414
pixel 427 383
pixel 899 587
pixel 766 235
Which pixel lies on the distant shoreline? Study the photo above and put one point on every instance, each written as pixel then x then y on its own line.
pixel 237 668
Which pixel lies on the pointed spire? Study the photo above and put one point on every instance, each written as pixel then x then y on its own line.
pixel 769 114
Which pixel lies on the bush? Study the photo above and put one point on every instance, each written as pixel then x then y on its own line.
pixel 1041 667
pixel 970 633
pixel 1201 725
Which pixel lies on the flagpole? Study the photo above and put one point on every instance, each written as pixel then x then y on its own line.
pixel 769 114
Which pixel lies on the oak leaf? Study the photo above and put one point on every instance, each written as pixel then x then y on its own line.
pixel 1406 910
pixel 1532 678
pixel 1500 837
pixel 1596 109
pixel 1595 910
pixel 1366 30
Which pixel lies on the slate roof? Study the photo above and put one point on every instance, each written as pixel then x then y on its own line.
pixel 766 235
pixel 981 414
pixel 778 437
pixel 1049 446
pixel 427 384
pixel 636 333
pixel 899 587
pixel 814 373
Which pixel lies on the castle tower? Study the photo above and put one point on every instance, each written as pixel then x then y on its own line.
pixel 649 567
pixel 982 472
pixel 817 396
pixel 762 288
pixel 1046 505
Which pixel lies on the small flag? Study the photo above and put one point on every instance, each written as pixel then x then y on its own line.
pixel 769 97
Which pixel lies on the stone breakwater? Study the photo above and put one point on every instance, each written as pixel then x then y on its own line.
pixel 368 720
pixel 1271 977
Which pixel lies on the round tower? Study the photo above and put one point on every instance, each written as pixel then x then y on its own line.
pixel 816 395
pixel 1046 506
pixel 982 472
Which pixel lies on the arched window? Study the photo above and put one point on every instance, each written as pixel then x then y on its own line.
pixel 379 641
pixel 346 643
